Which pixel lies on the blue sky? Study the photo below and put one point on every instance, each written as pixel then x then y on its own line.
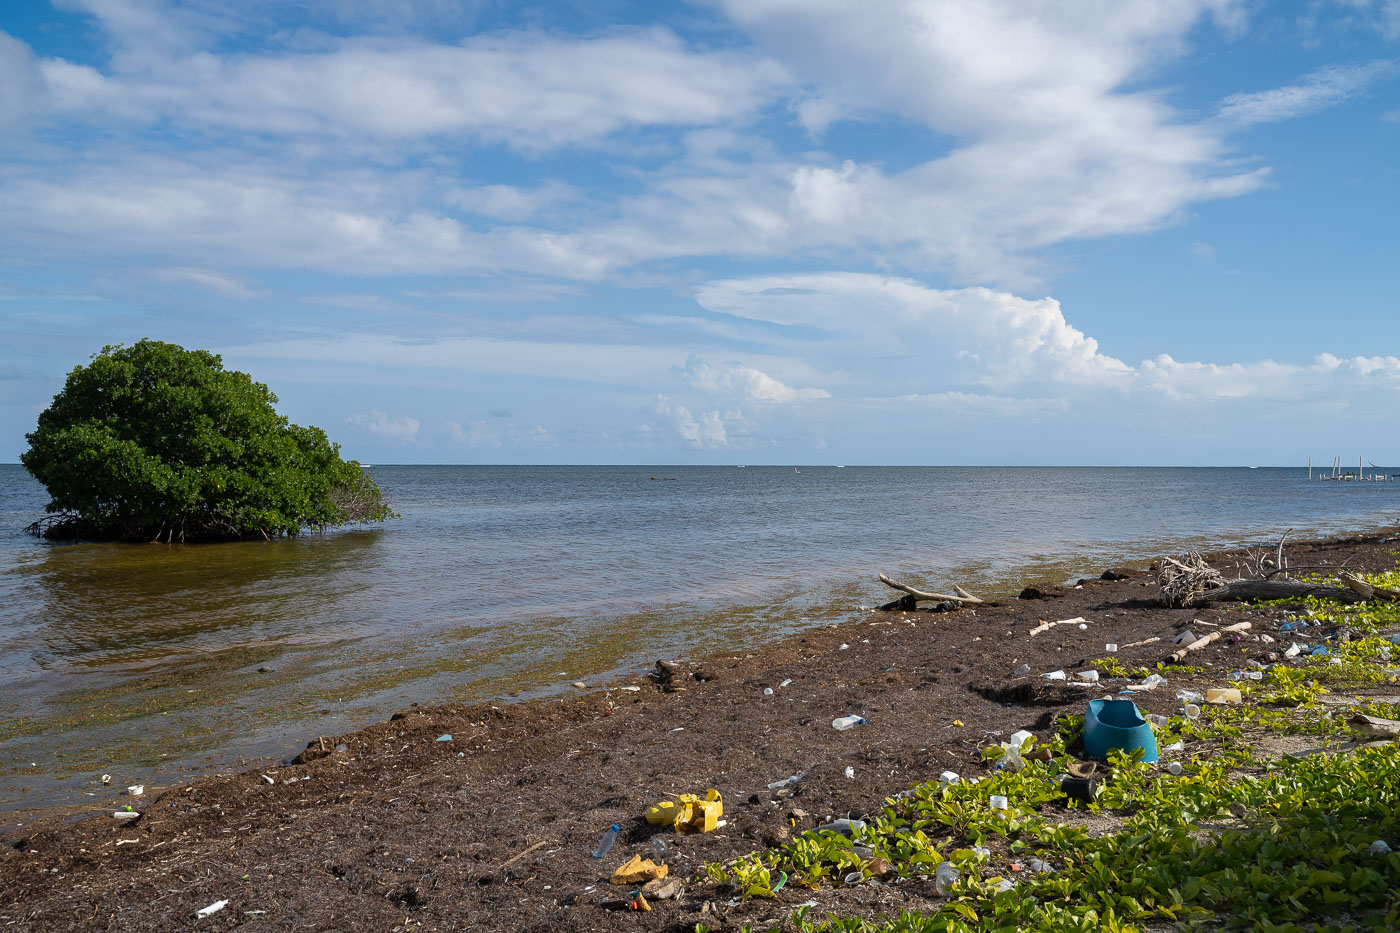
pixel 739 231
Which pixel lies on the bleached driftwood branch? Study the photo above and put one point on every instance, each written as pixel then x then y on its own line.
pixel 1046 626
pixel 963 597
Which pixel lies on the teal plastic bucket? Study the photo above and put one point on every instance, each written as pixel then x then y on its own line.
pixel 1110 724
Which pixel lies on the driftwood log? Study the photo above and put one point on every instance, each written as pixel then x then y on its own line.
pixel 1190 581
pixel 911 597
pixel 1375 726
pixel 1204 640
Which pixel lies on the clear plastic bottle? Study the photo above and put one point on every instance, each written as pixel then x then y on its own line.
pixel 844 827
pixel 660 849
pixel 944 876
pixel 606 843
pixel 847 722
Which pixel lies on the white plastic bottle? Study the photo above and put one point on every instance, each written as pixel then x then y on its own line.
pixel 843 723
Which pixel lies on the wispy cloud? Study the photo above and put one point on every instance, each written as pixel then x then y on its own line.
pixel 224 283
pixel 1323 88
pixel 531 91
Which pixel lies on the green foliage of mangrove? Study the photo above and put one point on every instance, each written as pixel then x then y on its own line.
pixel 154 440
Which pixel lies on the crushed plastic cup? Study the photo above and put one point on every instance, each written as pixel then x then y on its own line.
pixel 1021 671
pixel 136 790
pixel 1175 747
pixel 1223 695
pixel 1054 675
pixel 1293 651
pixel 1018 738
pixel 944 877
pixel 1088 676
pixel 1151 681
pixel 854 877
pixel 1010 759
pixel 1174 767
pixel 1192 711
pixel 949 777
pixel 211 909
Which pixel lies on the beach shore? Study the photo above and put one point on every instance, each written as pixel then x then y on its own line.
pixel 484 817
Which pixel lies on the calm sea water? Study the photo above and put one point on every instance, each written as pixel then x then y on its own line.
pixel 144 661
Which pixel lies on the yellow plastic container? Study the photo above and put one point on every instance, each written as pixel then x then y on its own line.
pixel 688 813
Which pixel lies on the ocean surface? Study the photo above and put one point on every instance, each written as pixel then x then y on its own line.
pixel 149 662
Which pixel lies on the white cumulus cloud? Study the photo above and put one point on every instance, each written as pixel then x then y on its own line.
pixel 752 384
pixel 978 336
pixel 706 430
pixel 402 430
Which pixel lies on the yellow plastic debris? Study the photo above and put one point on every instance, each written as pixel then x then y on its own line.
pixel 638 871
pixel 663 813
pixel 689 813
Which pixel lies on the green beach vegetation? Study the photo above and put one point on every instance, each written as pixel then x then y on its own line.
pixel 155 442
pixel 1244 837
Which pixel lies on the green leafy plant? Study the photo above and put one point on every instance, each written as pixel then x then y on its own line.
pixel 154 440
pixel 1239 840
